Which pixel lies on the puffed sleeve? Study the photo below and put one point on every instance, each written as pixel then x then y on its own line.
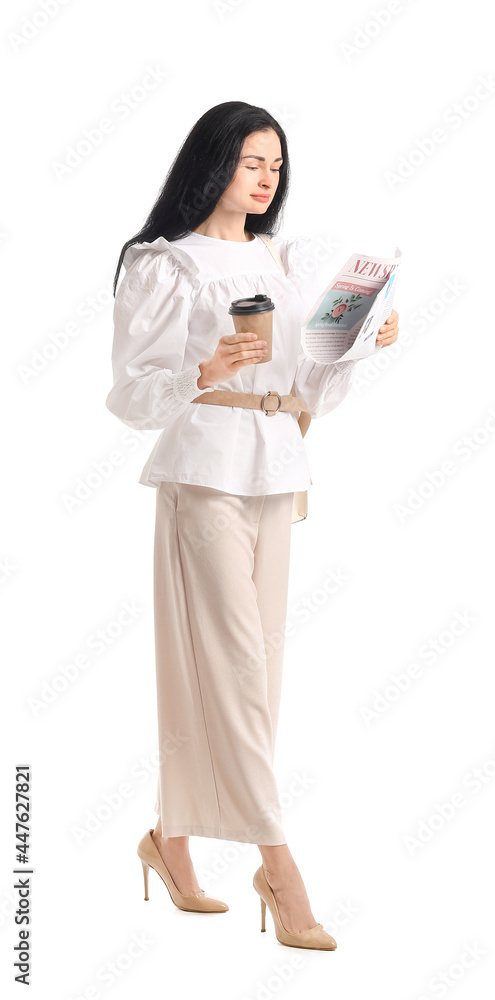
pixel 150 319
pixel 321 386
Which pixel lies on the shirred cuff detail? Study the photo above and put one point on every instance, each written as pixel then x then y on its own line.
pixel 185 384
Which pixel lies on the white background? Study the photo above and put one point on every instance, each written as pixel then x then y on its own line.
pixel 405 892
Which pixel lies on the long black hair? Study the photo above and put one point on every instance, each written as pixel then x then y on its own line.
pixel 203 168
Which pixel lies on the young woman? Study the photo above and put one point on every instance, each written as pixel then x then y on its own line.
pixel 225 477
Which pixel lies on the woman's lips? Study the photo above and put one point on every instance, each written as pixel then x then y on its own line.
pixel 261 197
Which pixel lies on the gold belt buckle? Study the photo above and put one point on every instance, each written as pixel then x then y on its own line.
pixel 271 392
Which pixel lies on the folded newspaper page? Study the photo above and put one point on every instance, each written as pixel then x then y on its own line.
pixel 344 323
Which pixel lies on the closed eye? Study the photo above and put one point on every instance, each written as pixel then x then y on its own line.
pixel 275 170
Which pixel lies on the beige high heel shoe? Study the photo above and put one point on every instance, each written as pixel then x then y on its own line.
pixel 198 901
pixel 314 937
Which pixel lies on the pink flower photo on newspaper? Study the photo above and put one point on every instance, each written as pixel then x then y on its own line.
pixel 341 306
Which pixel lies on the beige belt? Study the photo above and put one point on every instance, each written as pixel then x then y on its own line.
pixel 270 403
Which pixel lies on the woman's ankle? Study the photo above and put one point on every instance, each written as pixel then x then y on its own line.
pixel 177 845
pixel 276 859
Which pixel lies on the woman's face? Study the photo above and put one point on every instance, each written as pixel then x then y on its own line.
pixel 255 181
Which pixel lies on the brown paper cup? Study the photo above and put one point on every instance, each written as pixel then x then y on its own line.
pixel 259 323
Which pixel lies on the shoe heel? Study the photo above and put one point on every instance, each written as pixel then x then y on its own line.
pixel 198 902
pixel 263 914
pixel 146 869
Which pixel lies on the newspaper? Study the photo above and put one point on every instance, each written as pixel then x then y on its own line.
pixel 344 322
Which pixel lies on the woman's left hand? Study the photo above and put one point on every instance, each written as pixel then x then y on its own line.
pixel 388 334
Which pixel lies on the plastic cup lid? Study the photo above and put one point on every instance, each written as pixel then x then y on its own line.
pixel 256 304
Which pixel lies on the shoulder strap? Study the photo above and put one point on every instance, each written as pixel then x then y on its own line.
pixel 304 419
pixel 273 250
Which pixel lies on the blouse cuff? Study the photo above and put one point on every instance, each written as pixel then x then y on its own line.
pixel 185 384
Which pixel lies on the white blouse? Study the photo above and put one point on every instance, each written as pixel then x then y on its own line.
pixel 171 308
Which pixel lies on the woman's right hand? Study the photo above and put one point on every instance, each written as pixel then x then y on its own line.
pixel 232 353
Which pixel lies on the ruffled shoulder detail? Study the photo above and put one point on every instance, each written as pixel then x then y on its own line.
pixel 291 250
pixel 178 257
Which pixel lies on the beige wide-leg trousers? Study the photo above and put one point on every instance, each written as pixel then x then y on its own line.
pixel 221 567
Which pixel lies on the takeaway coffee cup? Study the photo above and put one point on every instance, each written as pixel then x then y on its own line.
pixel 256 315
